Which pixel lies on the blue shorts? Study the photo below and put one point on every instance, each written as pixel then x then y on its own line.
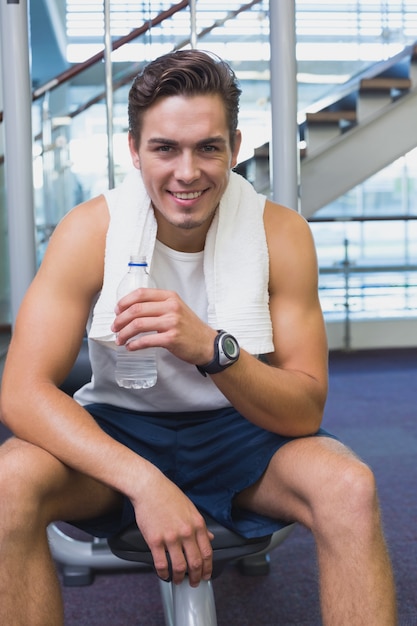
pixel 210 455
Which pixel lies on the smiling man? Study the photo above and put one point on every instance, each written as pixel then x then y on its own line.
pixel 222 431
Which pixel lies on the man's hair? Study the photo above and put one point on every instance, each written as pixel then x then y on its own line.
pixel 183 73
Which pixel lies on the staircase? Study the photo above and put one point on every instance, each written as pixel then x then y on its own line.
pixel 346 138
pixel 363 131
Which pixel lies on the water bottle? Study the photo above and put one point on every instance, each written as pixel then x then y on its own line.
pixel 135 369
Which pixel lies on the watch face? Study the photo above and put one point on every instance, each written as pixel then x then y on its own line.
pixel 230 347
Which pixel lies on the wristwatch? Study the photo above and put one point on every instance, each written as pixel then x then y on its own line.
pixel 226 352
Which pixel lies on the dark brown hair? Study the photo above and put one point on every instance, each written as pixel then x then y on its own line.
pixel 185 72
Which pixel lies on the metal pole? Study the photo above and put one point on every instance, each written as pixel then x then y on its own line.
pixel 193 20
pixel 47 163
pixel 17 103
pixel 346 272
pixel 109 93
pixel 284 145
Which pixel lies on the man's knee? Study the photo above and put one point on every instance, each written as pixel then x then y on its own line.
pixel 351 495
pixel 25 474
pixel 358 486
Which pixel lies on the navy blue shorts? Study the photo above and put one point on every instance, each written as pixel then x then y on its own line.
pixel 210 455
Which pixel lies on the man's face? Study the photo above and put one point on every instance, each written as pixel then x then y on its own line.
pixel 185 158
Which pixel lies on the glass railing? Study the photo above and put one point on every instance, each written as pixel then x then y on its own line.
pixel 353 292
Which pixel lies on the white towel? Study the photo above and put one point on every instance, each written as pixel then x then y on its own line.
pixel 236 264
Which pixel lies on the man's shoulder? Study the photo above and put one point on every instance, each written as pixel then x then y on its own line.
pixel 93 211
pixel 279 216
pixel 290 241
pixel 82 232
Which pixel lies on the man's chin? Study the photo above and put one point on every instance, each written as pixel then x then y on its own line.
pixel 192 222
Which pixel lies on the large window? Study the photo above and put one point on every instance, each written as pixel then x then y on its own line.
pixel 367 246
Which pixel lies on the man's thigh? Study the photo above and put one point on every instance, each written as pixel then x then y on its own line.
pixel 59 492
pixel 298 475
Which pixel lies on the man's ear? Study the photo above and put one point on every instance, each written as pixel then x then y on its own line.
pixel 236 147
pixel 133 150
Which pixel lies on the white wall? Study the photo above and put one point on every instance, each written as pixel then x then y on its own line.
pixel 369 334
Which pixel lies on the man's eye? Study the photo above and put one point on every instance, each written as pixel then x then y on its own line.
pixel 209 148
pixel 164 148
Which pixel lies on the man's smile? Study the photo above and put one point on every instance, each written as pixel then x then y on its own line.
pixel 186 195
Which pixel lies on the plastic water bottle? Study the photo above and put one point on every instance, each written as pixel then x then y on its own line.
pixel 135 369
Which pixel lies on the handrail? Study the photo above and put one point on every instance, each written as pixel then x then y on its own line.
pixel 353 84
pixel 131 74
pixel 369 269
pixel 80 67
pixel 362 218
pixel 348 87
pixel 374 70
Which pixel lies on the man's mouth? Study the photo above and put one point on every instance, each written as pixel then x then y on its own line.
pixel 186 195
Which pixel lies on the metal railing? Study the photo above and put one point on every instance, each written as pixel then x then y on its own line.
pixel 352 290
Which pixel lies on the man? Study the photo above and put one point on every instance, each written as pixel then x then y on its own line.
pixel 178 446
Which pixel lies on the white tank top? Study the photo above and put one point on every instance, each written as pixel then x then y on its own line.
pixel 180 386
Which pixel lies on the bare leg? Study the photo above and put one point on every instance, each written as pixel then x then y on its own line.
pixel 37 489
pixel 321 484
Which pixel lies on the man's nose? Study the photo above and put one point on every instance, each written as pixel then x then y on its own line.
pixel 187 169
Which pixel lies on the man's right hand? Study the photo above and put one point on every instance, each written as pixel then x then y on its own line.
pixel 170 523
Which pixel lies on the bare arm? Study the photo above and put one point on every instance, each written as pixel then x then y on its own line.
pixel 46 340
pixel 288 397
pixel 48 334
